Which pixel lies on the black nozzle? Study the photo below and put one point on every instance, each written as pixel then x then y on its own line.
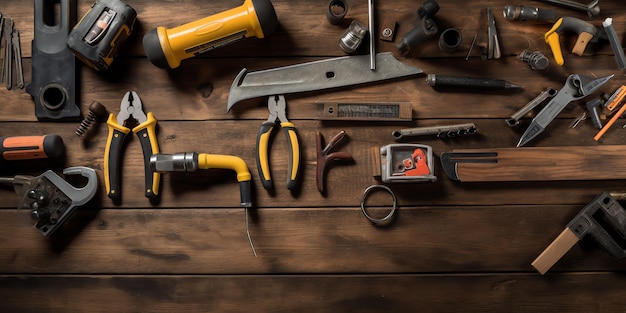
pixel 152 47
pixel 267 16
pixel 428 9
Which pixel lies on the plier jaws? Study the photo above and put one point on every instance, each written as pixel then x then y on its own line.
pixel 131 106
pixel 277 107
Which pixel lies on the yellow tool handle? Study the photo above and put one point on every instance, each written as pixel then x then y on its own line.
pixel 229 162
pixel 294 154
pixel 112 157
pixel 146 132
pixel 552 38
pixel 262 154
pixel 206 161
pixel 585 32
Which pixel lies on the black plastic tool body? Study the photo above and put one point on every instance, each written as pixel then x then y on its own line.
pixel 54 82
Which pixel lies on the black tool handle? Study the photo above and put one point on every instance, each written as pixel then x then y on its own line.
pixel 467 82
pixel 113 158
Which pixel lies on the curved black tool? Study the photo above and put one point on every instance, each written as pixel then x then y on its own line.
pixel 53 85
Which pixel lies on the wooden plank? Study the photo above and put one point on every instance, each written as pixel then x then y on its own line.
pixel 515 293
pixel 537 163
pixel 298 240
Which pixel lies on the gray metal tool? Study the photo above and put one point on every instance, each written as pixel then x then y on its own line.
pixel 543 96
pixel 604 219
pixel 49 199
pixel 576 87
pixel 493 43
pixel 317 75
pixel 592 9
pixel 615 43
pixel 456 130
pixel 523 13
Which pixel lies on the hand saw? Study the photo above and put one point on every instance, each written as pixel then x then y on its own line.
pixel 317 75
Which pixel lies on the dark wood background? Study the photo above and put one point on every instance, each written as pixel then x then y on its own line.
pixel 454 247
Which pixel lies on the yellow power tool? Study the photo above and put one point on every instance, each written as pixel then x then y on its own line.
pixel 168 47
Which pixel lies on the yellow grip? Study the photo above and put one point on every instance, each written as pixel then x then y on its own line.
pixel 294 149
pixel 237 164
pixel 146 132
pixel 112 155
pixel 552 38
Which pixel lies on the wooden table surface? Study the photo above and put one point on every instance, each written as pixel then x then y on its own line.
pixel 453 247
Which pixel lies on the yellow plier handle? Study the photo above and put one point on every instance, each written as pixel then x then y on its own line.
pixel 586 31
pixel 112 157
pixel 263 138
pixel 146 132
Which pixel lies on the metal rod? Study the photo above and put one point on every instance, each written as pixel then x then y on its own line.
pixel 371 31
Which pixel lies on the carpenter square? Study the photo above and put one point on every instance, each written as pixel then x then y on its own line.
pixel 536 163
pixel 604 219
pixel 317 75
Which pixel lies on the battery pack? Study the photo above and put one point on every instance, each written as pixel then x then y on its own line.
pixel 97 37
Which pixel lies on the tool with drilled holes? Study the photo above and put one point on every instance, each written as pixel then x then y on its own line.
pixel 97 38
pixel 366 111
pixel 49 199
pixel 441 131
pixel 31 147
pixel 130 108
pixel 604 219
pixel 277 107
pixel 166 48
pixel 576 87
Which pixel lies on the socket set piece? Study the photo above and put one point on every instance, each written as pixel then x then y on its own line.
pixel 536 59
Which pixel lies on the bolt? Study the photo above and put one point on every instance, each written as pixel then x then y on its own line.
pixel 96 112
pixel 536 60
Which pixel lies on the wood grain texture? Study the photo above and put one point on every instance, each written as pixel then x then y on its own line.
pixel 453 247
pixel 540 163
pixel 516 293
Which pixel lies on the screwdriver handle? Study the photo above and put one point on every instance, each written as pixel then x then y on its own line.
pixel 31 147
pixel 294 154
pixel 262 157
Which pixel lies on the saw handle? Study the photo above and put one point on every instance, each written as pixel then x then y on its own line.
pixel 584 30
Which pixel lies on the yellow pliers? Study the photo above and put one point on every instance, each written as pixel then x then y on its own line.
pixel 277 107
pixel 146 131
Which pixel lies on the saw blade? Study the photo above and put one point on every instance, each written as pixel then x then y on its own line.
pixel 317 75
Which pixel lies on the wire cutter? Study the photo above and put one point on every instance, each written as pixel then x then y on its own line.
pixel 277 107
pixel 130 107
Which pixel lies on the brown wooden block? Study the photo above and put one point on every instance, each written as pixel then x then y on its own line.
pixel 555 251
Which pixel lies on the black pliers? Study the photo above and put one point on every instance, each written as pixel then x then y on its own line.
pixel 277 107
pixel 131 107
